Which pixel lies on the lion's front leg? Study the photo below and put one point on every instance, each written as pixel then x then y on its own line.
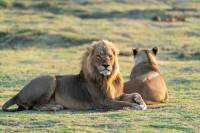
pixel 118 104
pixel 135 99
pixel 114 104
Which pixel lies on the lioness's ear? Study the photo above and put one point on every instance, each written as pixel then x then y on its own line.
pixel 135 51
pixel 155 50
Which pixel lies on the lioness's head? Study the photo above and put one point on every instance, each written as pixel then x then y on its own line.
pixel 101 59
pixel 145 56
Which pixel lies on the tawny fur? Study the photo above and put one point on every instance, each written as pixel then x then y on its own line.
pixel 99 85
pixel 146 78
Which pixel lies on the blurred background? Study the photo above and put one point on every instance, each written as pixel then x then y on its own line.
pixel 172 25
pixel 39 37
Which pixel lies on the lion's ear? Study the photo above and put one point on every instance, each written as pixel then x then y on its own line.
pixel 90 49
pixel 135 51
pixel 155 50
pixel 115 51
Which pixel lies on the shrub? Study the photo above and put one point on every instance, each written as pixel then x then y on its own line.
pixel 5 3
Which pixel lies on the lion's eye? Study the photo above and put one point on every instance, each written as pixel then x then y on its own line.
pixel 110 56
pixel 98 57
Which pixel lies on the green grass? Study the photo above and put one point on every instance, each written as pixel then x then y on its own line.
pixel 49 37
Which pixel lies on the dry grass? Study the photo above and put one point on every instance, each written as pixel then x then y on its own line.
pixel 49 37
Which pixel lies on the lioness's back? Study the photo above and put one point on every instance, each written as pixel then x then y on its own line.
pixel 146 78
pixel 154 90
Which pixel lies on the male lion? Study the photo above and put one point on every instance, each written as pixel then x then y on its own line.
pixel 99 85
pixel 146 78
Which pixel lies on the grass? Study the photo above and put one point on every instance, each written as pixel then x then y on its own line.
pixel 49 37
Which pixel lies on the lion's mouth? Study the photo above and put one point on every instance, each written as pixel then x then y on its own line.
pixel 105 72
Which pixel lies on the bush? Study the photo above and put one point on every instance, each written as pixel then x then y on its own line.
pixel 19 5
pixel 5 3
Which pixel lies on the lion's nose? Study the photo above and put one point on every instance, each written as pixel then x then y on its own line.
pixel 106 65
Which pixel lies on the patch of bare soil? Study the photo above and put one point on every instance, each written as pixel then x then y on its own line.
pixel 169 18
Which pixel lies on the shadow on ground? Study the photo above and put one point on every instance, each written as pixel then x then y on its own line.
pixel 29 37
pixel 100 14
pixel 84 13
pixel 195 55
pixel 174 126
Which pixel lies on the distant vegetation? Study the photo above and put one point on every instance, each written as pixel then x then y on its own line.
pixel 50 36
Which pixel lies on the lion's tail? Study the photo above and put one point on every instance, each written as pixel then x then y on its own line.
pixel 9 103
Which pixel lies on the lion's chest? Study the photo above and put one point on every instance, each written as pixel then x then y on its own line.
pixel 110 93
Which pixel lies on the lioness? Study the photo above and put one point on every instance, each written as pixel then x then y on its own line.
pixel 146 78
pixel 99 85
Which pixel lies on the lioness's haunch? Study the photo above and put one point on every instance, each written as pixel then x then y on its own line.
pixel 146 78
pixel 99 85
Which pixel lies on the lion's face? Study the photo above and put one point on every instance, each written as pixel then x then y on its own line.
pixel 141 56
pixel 102 58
